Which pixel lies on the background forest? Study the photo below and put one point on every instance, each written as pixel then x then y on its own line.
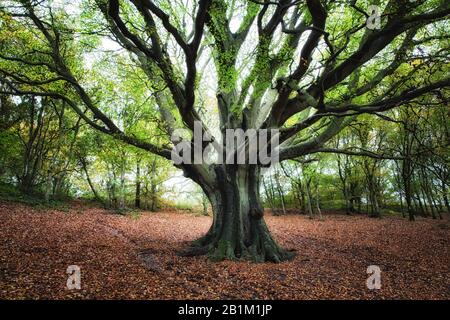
pixel 85 94
pixel 48 153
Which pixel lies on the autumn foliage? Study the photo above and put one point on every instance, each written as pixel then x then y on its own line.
pixel 135 257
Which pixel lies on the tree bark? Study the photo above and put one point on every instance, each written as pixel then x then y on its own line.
pixel 309 196
pixel 205 204
pixel 137 198
pixel 319 211
pixel 444 195
pixel 122 194
pixel 408 193
pixel 280 192
pixel 269 196
pixel 238 230
pixel 89 181
pixel 153 196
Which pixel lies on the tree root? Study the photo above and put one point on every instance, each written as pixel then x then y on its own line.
pixel 264 251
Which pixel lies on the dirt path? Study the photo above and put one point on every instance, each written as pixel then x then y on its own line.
pixel 129 258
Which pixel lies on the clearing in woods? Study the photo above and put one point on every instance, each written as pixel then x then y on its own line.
pixel 124 257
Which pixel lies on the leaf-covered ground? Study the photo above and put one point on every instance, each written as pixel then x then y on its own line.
pixel 124 257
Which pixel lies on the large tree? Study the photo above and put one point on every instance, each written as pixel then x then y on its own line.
pixel 307 68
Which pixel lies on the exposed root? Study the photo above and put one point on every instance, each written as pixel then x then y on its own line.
pixel 264 249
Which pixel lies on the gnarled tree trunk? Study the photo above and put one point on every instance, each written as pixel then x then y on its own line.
pixel 238 230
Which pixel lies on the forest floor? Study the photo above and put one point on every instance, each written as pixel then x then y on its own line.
pixel 134 257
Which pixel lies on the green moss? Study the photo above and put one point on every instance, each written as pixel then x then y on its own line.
pixel 223 251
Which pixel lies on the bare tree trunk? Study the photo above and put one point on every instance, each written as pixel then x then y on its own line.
pixel 91 185
pixel 280 192
pixel 122 183
pixel 444 195
pixel 153 195
pixel 238 230
pixel 408 194
pixel 319 212
pixel 302 195
pixel 308 194
pixel 137 198
pixel 430 204
pixel 270 195
pixel 344 187
pixel 48 186
pixel 402 209
pixel 205 204
pixel 421 204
